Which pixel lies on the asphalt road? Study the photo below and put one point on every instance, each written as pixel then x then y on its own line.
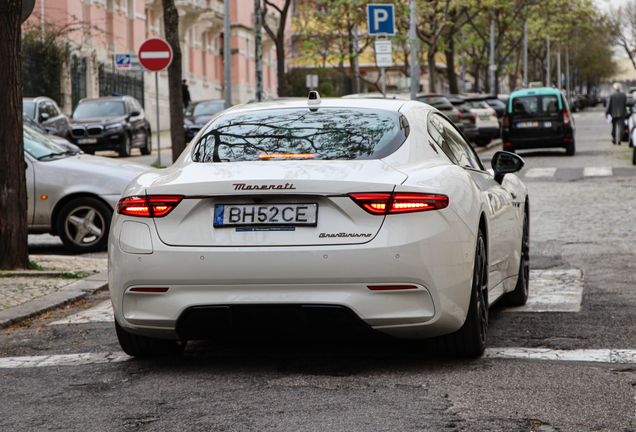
pixel 582 254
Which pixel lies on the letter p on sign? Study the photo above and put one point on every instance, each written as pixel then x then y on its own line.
pixel 381 19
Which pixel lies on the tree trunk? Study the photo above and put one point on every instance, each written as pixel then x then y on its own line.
pixel 432 75
pixel 14 252
pixel 280 67
pixel 171 25
pixel 450 62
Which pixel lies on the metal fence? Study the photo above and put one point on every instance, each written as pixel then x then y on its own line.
pixel 114 81
pixel 78 79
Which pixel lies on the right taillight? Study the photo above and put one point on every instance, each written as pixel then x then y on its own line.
pixel 148 206
pixel 399 202
pixel 566 117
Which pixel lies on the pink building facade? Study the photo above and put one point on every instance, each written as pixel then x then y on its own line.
pixel 102 28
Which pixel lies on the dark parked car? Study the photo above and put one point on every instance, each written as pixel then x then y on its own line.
pixel 497 105
pixel 445 106
pixel 45 112
pixel 111 123
pixel 198 114
pixel 469 118
pixel 538 118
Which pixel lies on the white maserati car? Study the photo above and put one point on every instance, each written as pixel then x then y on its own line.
pixel 320 213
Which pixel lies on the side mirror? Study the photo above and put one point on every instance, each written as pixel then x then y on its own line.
pixel 44 116
pixel 135 113
pixel 505 163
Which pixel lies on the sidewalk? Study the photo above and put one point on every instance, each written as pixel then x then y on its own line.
pixel 65 279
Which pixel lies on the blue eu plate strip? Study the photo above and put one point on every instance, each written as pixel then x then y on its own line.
pixel 219 211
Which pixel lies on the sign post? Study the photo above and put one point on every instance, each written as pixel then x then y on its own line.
pixel 381 23
pixel 155 55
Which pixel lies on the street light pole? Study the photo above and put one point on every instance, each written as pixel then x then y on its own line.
pixel 415 68
pixel 258 50
pixel 227 55
pixel 525 49
pixel 492 56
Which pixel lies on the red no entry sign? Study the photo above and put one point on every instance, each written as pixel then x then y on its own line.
pixel 155 54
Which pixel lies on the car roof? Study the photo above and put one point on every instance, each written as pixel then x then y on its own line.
pixel 114 98
pixel 37 98
pixel 383 104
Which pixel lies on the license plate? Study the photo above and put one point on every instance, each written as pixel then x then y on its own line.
pixel 226 215
pixel 87 141
pixel 547 124
pixel 521 125
pixel 484 118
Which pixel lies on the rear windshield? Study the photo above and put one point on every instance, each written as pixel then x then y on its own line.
pixel 535 106
pixel 441 103
pixel 477 104
pixel 301 133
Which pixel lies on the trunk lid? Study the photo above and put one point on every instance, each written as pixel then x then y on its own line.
pixel 211 188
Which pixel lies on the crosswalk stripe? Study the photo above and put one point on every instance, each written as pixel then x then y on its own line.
pixel 597 171
pixel 553 291
pixel 615 356
pixel 582 355
pixel 540 172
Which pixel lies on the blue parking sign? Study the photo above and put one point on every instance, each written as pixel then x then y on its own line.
pixel 122 61
pixel 381 19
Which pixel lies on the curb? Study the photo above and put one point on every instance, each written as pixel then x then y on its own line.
pixel 68 294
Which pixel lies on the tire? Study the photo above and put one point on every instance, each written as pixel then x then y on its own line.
pixel 570 149
pixel 470 339
pixel 147 148
pixel 144 346
pixel 483 141
pixel 83 225
pixel 519 296
pixel 126 147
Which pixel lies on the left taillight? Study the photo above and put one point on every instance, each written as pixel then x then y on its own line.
pixel 566 117
pixel 148 206
pixel 399 202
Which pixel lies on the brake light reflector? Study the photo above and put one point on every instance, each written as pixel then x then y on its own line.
pixel 399 202
pixel 151 290
pixel 459 115
pixel 148 206
pixel 390 287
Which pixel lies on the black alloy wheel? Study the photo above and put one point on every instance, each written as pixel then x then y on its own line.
pixel 83 225
pixel 126 147
pixel 144 346
pixel 147 147
pixel 519 296
pixel 470 339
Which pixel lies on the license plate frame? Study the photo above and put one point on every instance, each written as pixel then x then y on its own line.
pixel 266 215
pixel 87 141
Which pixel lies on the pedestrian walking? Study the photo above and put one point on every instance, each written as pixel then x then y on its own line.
pixel 186 94
pixel 617 109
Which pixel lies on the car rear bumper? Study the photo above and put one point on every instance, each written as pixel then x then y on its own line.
pixel 433 263
pixel 561 141
pixel 103 142
pixel 488 132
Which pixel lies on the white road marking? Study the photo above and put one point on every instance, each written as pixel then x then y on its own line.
pixel 62 360
pixel 540 172
pixel 597 171
pixel 583 355
pixel 615 356
pixel 100 313
pixel 553 291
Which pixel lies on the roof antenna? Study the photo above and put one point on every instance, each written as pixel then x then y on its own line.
pixel 314 98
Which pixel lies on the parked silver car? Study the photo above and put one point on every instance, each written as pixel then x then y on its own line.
pixel 72 195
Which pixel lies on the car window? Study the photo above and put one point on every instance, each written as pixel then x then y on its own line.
pixel 436 130
pixel 96 109
pixel 463 154
pixel 29 109
pixel 301 133
pixel 441 103
pixel 130 106
pixel 535 106
pixel 54 109
pixel 205 108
